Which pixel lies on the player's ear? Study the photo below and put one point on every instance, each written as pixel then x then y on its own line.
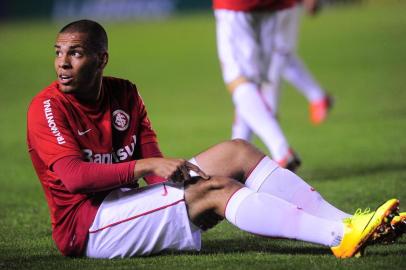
pixel 104 59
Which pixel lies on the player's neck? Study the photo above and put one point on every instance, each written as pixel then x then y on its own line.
pixel 92 94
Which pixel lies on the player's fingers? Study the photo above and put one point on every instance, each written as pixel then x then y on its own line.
pixel 197 170
pixel 177 176
pixel 185 173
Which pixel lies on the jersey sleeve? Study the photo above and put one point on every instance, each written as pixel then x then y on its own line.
pixel 49 132
pixel 79 176
pixel 146 133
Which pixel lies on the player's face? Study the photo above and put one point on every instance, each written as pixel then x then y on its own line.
pixel 78 67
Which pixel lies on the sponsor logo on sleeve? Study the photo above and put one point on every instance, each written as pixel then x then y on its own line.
pixel 121 120
pixel 51 122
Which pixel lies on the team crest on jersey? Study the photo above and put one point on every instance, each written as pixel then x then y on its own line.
pixel 121 120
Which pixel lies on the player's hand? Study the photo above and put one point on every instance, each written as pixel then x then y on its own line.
pixel 196 169
pixel 176 170
pixel 181 173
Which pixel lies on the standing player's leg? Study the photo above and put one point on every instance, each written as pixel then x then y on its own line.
pixel 240 59
pixel 289 65
pixel 275 47
pixel 296 73
pixel 240 129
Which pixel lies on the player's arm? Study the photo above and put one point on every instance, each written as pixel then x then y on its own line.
pixel 79 176
pixel 51 138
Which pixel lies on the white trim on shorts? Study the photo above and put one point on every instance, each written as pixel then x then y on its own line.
pixel 141 222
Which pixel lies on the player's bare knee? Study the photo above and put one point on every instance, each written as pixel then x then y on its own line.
pixel 220 190
pixel 236 147
pixel 219 183
pixel 203 195
pixel 242 145
pixel 245 155
pixel 204 188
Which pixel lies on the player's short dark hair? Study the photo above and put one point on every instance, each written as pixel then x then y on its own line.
pixel 97 36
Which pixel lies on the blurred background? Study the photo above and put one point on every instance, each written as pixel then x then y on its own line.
pixel 97 9
pixel 107 9
pixel 356 49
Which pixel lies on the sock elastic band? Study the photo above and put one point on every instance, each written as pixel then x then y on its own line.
pixel 260 173
pixel 234 202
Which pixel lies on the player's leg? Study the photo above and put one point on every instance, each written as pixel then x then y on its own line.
pixel 239 54
pixel 272 64
pixel 227 23
pixel 266 215
pixel 259 213
pixel 251 107
pixel 240 129
pixel 284 184
pixel 258 172
pixel 275 47
pixel 142 221
pixel 297 74
pixel 295 71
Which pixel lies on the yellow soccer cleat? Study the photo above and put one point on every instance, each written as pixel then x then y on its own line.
pixel 391 231
pixel 359 228
pixel 399 221
pixel 398 225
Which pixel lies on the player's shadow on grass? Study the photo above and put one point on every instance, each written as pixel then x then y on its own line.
pixel 260 244
pixel 334 173
pixel 257 245
pixel 277 247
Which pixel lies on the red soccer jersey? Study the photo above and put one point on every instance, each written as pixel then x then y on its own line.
pixel 253 5
pixel 115 129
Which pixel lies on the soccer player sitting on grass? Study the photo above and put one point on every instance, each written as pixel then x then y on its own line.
pixel 90 141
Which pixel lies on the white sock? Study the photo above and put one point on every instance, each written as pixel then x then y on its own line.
pixel 271 89
pixel 267 215
pixel 271 95
pixel 269 178
pixel 240 129
pixel 253 110
pixel 296 73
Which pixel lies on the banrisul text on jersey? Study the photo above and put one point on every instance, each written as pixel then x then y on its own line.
pixel 118 155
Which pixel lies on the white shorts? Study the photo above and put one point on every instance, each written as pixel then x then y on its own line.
pixel 143 221
pixel 244 43
pixel 286 30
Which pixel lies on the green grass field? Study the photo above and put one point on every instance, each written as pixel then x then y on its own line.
pixel 357 159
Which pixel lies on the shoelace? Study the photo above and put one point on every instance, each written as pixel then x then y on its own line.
pixel 358 212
